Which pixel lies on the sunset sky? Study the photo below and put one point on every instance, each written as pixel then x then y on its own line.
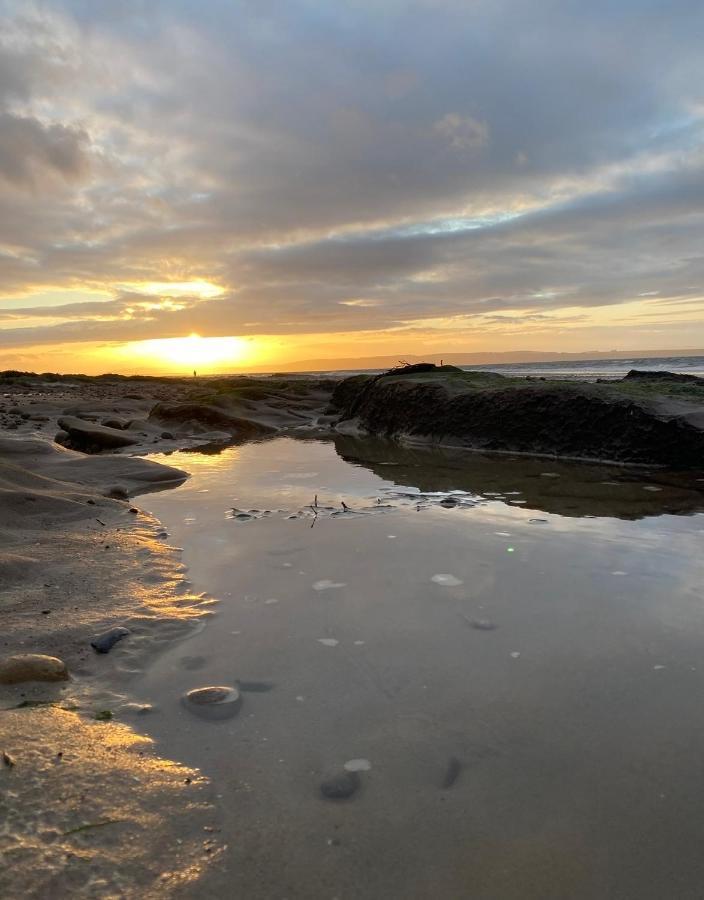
pixel 300 179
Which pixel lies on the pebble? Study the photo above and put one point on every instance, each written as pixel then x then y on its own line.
pixel 32 667
pixel 339 785
pixel 446 580
pixel 217 702
pixel 483 625
pixel 104 642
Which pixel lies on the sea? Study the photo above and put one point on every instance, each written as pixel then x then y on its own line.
pixel 578 370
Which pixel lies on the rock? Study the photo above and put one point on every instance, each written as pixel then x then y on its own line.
pixel 119 424
pixel 208 415
pixel 104 642
pixel 167 435
pixel 92 438
pixel 216 702
pixel 339 785
pixel 485 411
pixel 117 492
pixel 32 667
pixel 483 625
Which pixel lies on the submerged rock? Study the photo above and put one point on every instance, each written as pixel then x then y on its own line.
pixel 483 625
pixel 32 667
pixel 104 642
pixel 217 702
pixel 339 785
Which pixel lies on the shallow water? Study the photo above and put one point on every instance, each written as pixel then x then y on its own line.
pixel 509 651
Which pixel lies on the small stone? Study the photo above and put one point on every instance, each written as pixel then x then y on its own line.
pixel 116 492
pixel 216 702
pixel 104 642
pixel 133 510
pixel 167 435
pixel 446 580
pixel 339 785
pixel 32 667
pixel 8 760
pixel 483 625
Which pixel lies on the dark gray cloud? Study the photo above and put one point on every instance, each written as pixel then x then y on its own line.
pixel 348 166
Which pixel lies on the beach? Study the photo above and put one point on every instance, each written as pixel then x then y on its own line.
pixel 493 660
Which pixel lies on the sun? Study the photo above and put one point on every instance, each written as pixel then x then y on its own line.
pixel 206 354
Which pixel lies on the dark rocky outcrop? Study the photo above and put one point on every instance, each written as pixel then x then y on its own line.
pixel 92 438
pixel 672 377
pixel 205 414
pixel 488 412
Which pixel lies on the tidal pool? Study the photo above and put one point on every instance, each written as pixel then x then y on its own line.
pixel 504 659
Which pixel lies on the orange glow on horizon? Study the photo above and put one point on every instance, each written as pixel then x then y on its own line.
pixel 193 352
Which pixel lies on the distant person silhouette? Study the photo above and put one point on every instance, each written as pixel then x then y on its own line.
pixel 194 373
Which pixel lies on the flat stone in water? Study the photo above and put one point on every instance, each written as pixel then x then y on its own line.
pixel 216 702
pixel 104 642
pixel 32 667
pixel 446 580
pixel 483 625
pixel 339 785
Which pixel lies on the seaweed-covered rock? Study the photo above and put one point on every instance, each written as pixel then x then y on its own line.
pixel 488 412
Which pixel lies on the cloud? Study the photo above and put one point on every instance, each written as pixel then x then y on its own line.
pixel 343 168
pixel 30 150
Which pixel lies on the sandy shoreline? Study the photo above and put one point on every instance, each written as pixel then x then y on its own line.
pixel 88 807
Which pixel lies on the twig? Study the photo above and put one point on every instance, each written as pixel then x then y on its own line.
pixel 91 825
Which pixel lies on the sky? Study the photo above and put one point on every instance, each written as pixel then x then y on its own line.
pixel 228 184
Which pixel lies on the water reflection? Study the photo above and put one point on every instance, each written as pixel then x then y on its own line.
pixel 523 698
pixel 552 486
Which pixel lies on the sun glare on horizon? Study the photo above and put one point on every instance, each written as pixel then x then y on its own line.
pixel 193 352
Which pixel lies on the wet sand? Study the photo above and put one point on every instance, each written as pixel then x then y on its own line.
pixel 521 675
pixel 88 806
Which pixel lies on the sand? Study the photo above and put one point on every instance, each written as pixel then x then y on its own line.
pixel 74 562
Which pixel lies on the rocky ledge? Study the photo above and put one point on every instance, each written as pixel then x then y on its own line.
pixel 645 418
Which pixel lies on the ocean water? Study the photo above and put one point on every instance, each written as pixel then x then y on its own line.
pixel 581 369
pixel 591 369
